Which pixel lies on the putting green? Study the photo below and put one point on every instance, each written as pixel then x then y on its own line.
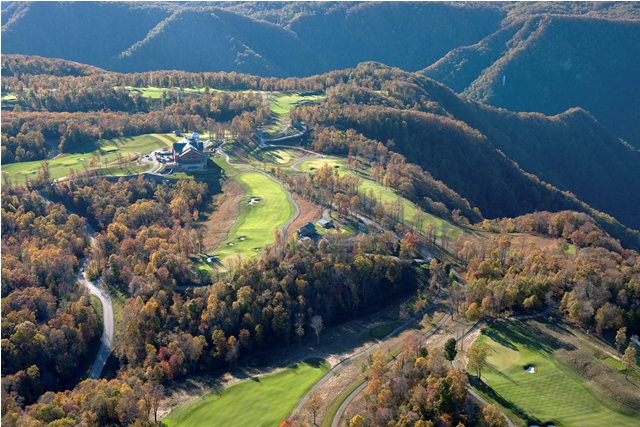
pixel 382 193
pixel 258 402
pixel 79 159
pixel 555 392
pixel 255 226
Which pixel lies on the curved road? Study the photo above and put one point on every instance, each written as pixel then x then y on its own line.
pixel 396 331
pixel 336 419
pixel 106 344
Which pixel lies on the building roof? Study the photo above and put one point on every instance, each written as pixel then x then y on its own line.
pixel 308 228
pixel 325 223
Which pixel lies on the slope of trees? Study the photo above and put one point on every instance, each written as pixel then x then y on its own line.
pixel 551 64
pixel 48 326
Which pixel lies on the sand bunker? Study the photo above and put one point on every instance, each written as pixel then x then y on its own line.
pixel 254 200
pixel 312 169
pixel 256 249
pixel 242 237
pixel 230 244
pixel 530 369
pixel 211 258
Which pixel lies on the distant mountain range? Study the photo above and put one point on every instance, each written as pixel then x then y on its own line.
pixel 550 56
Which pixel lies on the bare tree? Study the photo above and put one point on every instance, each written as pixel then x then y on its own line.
pixel 299 329
pixel 317 325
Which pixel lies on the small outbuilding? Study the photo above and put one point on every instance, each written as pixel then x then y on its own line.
pixel 325 223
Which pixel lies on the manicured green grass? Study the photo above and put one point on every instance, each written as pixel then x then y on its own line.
pixel 555 392
pixel 382 331
pixel 156 92
pixel 571 250
pixel 613 362
pixel 258 221
pixel 263 401
pixel 382 193
pixel 80 158
pixel 273 156
pixel 333 408
pixel 124 170
pixel 283 103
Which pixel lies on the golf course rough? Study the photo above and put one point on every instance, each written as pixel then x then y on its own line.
pixel 554 393
pixel 258 402
pixel 257 221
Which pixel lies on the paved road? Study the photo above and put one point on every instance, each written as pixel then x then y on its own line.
pixel 336 419
pixel 367 350
pixel 106 344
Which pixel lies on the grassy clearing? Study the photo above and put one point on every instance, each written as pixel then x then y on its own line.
pixel 554 393
pixel 382 331
pixel 273 156
pixel 381 193
pixel 263 401
pixel 79 159
pixel 571 250
pixel 156 92
pixel 256 223
pixel 282 104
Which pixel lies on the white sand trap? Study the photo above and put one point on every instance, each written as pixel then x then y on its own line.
pixel 531 370
pixel 209 260
pixel 241 238
pixel 254 200
pixel 230 243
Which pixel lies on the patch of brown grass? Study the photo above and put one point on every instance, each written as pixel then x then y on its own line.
pixel 226 209
pixel 309 211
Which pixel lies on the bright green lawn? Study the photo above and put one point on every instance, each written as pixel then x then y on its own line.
pixel 263 401
pixel 273 156
pixel 554 392
pixel 382 193
pixel 256 222
pixel 156 92
pixel 281 105
pixel 80 157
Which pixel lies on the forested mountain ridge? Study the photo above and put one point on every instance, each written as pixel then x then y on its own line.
pixel 554 56
pixel 312 40
pixel 550 64
pixel 468 146
pixel 454 139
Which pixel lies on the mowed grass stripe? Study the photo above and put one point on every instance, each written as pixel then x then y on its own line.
pixel 258 402
pixel 383 194
pixel 79 158
pixel 257 222
pixel 555 392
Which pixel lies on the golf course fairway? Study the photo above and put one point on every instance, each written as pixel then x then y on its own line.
pixel 257 402
pixel 254 228
pixel 554 393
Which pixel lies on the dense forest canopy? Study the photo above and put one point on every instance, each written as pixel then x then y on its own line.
pixel 485 177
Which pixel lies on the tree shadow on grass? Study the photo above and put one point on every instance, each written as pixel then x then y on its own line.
pixel 526 335
pixel 314 362
pixel 491 394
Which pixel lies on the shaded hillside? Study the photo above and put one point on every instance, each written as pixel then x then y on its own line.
pixel 300 39
pixel 88 32
pixel 17 65
pixel 462 143
pixel 214 39
pixel 552 64
pixel 400 34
